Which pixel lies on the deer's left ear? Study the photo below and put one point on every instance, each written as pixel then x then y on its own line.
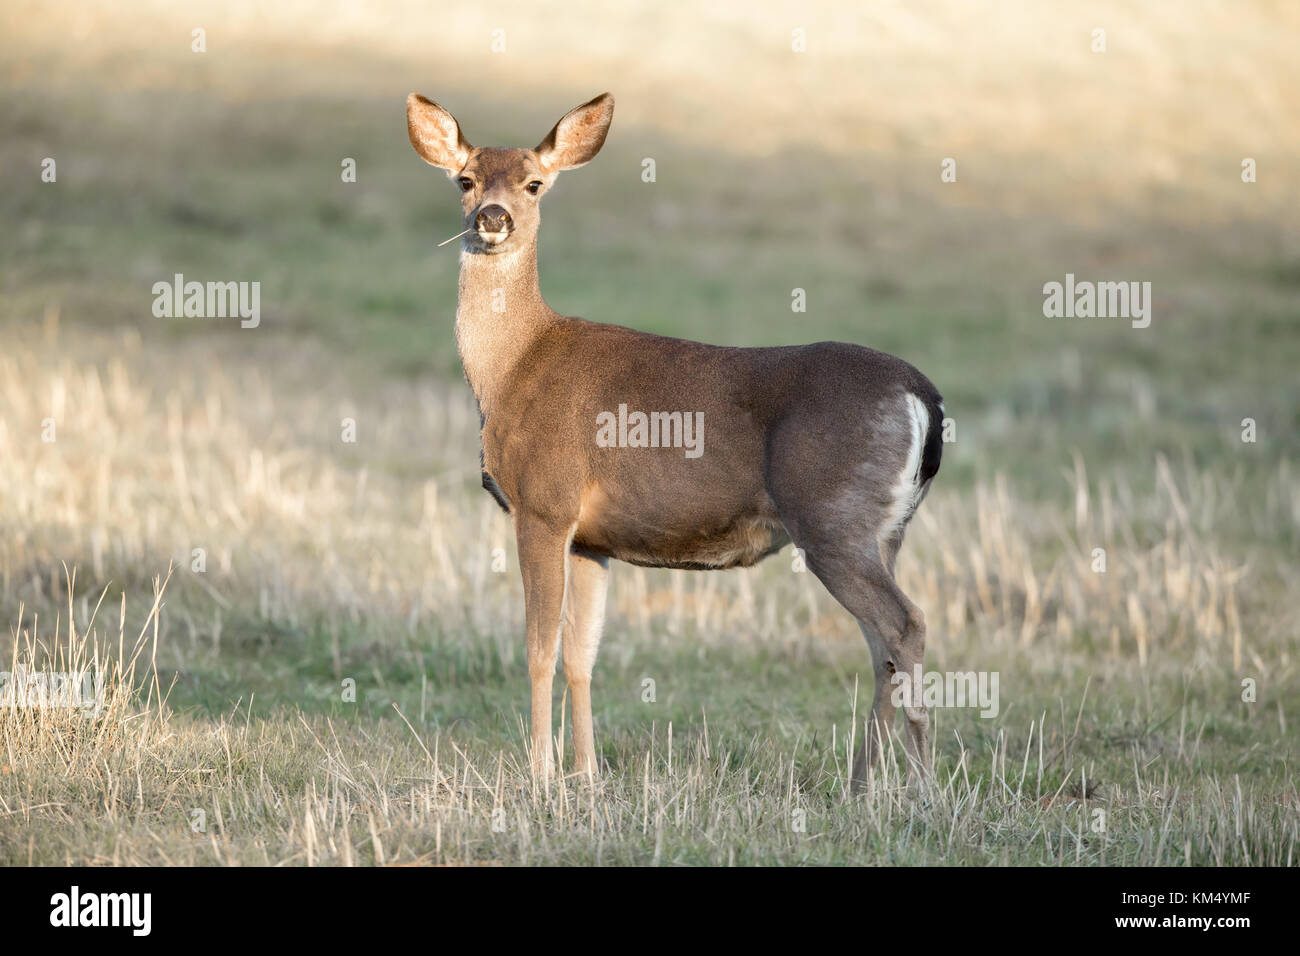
pixel 435 134
pixel 578 136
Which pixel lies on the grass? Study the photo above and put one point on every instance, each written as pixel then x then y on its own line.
pixel 304 567
pixel 331 784
pixel 1122 690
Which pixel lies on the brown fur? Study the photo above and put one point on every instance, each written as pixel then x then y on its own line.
pixel 807 443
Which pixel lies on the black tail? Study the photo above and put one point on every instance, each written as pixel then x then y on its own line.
pixel 933 450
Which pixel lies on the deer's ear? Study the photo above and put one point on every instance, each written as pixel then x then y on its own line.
pixel 435 134
pixel 578 136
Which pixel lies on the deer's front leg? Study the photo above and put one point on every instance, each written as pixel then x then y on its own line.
pixel 584 613
pixel 543 559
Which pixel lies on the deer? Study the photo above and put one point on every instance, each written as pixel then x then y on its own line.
pixel 829 446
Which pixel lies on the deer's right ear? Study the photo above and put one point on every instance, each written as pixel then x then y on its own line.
pixel 435 134
pixel 578 136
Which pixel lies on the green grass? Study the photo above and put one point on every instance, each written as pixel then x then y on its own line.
pixel 741 758
pixel 713 254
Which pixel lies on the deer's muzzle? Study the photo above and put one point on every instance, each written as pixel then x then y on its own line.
pixel 493 224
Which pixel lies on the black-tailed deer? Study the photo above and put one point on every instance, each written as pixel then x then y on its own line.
pixel 727 454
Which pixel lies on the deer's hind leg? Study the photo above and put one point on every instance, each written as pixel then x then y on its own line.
pixel 895 631
pixel 918 718
pixel 854 561
pixel 848 515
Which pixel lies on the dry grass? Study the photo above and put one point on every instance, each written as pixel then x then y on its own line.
pixel 140 786
pixel 198 450
pixel 194 449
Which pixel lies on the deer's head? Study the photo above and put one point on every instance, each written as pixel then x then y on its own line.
pixel 500 189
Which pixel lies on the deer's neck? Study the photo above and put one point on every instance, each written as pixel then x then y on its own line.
pixel 499 314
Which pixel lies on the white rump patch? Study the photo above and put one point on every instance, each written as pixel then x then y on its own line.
pixel 906 490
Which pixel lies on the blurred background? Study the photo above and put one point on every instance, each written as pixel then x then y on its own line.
pixel 775 170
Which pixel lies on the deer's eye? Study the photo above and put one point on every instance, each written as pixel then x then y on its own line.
pixel 534 186
pixel 466 184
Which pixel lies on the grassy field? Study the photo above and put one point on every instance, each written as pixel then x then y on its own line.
pixel 230 733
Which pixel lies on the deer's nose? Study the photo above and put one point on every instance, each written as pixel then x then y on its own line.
pixel 493 218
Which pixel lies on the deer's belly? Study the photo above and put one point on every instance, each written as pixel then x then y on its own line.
pixel 678 538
